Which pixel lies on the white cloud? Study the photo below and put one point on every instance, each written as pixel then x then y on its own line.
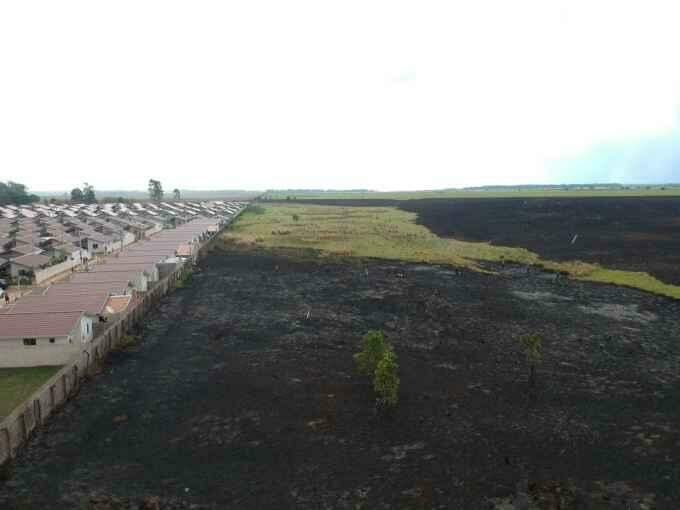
pixel 382 94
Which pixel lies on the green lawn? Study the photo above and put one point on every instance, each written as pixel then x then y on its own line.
pixel 672 191
pixel 17 384
pixel 390 233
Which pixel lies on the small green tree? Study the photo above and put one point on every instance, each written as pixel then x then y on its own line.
pixel 296 217
pixel 532 345
pixel 372 352
pixel 386 379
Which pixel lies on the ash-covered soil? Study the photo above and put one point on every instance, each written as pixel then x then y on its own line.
pixel 242 394
pixel 629 233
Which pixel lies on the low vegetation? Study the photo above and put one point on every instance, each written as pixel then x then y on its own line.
pixel 184 279
pixel 372 351
pixel 17 384
pixel 127 341
pixel 386 379
pixel 378 360
pixel 390 233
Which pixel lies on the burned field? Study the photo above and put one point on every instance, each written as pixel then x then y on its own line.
pixel 242 393
pixel 627 233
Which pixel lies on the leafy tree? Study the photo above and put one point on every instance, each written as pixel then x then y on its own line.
pixel 386 379
pixel 176 194
pixel 77 195
pixel 88 194
pixel 296 217
pixel 13 193
pixel 155 190
pixel 532 345
pixel 374 346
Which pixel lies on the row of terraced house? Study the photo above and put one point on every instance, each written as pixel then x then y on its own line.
pixel 116 253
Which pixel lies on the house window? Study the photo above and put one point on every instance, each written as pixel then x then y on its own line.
pixel 95 246
pixel 29 341
pixel 51 340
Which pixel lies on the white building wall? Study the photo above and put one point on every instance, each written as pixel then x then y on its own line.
pixel 13 352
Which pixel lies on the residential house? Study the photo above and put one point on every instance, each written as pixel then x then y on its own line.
pixel 137 279
pixel 27 264
pixel 45 338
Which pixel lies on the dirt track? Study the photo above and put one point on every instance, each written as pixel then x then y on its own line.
pixel 234 399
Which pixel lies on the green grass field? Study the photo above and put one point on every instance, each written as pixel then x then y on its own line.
pixel 390 233
pixel 17 384
pixel 672 191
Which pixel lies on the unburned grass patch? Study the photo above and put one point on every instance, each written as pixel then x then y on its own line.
pixel 390 233
pixel 17 384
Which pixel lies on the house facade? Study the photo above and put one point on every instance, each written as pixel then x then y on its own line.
pixel 42 339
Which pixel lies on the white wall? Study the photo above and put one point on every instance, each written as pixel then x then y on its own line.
pixel 13 352
pixel 128 238
pixel 42 275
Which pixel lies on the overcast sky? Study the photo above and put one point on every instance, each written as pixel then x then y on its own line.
pixel 256 94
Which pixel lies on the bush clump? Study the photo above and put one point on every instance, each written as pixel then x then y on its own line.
pixel 386 379
pixel 378 360
pixel 374 346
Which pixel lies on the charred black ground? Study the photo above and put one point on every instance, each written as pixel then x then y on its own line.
pixel 630 233
pixel 235 399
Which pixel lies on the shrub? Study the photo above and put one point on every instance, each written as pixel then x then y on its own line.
pixel 532 345
pixel 386 379
pixel 374 346
pixel 296 217
pixel 185 279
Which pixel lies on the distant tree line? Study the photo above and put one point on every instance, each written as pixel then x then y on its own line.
pixel 13 193
pixel 85 194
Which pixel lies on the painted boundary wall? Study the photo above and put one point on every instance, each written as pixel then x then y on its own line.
pixel 17 428
pixel 49 272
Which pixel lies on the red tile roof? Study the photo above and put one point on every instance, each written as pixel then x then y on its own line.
pixel 88 288
pixel 92 304
pixel 34 325
pixel 113 276
pixel 32 261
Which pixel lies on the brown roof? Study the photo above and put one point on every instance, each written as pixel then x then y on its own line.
pixel 32 261
pixel 88 288
pixel 114 276
pixel 25 249
pixel 91 304
pixel 117 268
pixel 33 325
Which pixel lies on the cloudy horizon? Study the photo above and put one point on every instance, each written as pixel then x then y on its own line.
pixel 312 94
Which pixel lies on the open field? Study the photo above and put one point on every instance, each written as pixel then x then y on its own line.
pixel 243 394
pixel 16 384
pixel 526 193
pixel 390 233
